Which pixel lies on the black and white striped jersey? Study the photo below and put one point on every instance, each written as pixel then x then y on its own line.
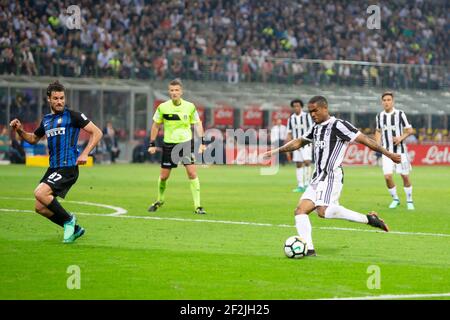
pixel 391 125
pixel 298 125
pixel 329 140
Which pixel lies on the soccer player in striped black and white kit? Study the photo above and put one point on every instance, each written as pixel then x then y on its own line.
pixel 61 128
pixel 329 137
pixel 298 124
pixel 392 128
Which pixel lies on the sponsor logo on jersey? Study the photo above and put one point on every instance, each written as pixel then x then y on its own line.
pixel 55 132
pixel 319 144
pixel 387 128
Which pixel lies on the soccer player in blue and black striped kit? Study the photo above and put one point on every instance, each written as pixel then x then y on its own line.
pixel 61 127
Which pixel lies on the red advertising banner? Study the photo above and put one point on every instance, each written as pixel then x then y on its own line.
pixel 201 112
pixel 224 116
pixel 248 155
pixel 419 155
pixel 282 113
pixel 156 103
pixel 253 116
pixel 356 154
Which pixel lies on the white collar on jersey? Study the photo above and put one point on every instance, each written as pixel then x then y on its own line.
pixel 393 110
pixel 327 122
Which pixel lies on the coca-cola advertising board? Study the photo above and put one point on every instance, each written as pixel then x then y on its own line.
pixel 224 116
pixel 253 116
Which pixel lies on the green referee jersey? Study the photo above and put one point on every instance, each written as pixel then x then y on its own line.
pixel 177 120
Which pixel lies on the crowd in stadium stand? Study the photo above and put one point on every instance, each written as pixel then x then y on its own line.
pixel 233 41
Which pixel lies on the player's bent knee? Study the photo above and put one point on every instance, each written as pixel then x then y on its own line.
pixel 299 211
pixel 192 176
pixel 321 211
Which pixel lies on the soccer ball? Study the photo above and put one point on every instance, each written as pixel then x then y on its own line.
pixel 295 247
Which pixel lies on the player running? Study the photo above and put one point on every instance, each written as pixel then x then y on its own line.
pixel 61 127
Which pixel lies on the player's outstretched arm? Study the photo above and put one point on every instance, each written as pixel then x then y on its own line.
pixel 372 144
pixel 95 134
pixel 29 137
pixel 290 146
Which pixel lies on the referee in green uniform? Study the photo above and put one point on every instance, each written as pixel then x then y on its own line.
pixel 177 115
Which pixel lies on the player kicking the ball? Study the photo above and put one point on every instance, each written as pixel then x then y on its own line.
pixel 329 137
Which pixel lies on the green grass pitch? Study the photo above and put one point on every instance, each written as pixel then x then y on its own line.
pixel 186 256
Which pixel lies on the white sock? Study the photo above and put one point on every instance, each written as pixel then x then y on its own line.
pixel 408 191
pixel 304 228
pixel 300 177
pixel 393 192
pixel 339 212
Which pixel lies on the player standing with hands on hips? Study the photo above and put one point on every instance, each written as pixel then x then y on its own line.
pixel 62 127
pixel 329 137
pixel 177 116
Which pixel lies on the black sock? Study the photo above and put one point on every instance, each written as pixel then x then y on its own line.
pixel 60 215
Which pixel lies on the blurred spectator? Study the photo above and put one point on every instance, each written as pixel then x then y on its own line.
pixel 278 135
pixel 7 61
pixel 411 139
pixel 17 152
pixel 110 139
pixel 232 71
pixel 267 34
pixel 4 144
pixel 27 61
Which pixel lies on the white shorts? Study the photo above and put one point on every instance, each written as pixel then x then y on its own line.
pixel 302 154
pixel 327 192
pixel 402 168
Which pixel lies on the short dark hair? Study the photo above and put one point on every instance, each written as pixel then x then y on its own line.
pixel 387 93
pixel 320 100
pixel 296 101
pixel 176 82
pixel 54 86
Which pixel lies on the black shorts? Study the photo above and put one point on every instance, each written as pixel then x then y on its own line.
pixel 184 153
pixel 60 180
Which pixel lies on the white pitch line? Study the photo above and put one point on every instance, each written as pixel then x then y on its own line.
pixel 394 296
pixel 117 210
pixel 243 223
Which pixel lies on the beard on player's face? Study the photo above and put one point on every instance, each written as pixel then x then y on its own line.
pixel 57 105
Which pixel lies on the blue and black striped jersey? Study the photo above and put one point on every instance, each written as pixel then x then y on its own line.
pixel 62 131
